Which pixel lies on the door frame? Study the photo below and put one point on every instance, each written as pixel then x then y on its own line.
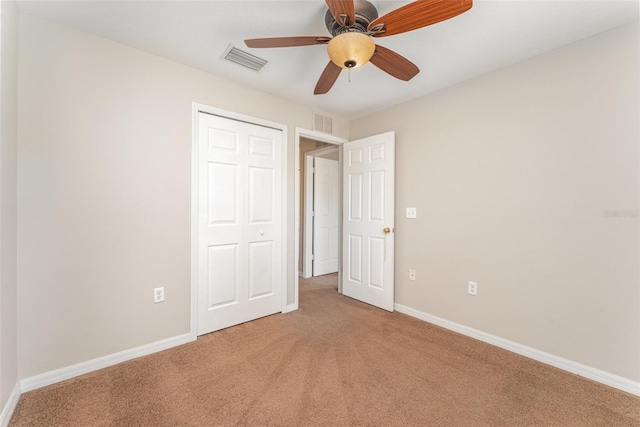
pixel 322 137
pixel 307 230
pixel 196 109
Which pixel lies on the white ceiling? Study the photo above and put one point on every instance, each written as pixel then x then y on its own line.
pixel 493 34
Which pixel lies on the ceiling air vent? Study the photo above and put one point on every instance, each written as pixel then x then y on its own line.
pixel 240 57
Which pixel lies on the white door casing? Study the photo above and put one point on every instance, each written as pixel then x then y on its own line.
pixel 326 216
pixel 239 220
pixel 368 211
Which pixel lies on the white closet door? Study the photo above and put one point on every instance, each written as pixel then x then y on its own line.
pixel 240 244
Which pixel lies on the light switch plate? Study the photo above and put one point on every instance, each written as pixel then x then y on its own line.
pixel 412 212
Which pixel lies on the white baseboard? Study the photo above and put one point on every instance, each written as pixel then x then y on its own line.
pixel 8 409
pixel 62 374
pixel 594 374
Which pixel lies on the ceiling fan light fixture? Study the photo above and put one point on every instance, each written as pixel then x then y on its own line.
pixel 351 49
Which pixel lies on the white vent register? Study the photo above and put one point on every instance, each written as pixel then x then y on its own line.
pixel 322 123
pixel 245 59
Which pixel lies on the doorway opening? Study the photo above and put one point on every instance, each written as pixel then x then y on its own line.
pixel 310 145
pixel 366 255
pixel 320 209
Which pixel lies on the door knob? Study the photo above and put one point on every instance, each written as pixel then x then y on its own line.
pixel 386 230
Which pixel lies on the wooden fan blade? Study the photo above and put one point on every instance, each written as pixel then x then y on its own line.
pixel 395 64
pixel 287 41
pixel 327 78
pixel 419 14
pixel 342 10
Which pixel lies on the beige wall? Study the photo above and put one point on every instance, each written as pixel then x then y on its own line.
pixel 515 175
pixel 104 191
pixel 8 203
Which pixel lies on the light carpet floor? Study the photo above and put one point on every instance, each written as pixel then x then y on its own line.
pixel 334 362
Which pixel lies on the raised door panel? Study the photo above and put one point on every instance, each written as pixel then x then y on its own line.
pixel 376 264
pixel 376 198
pixel 355 197
pixel 222 203
pixel 261 189
pixel 223 275
pixel 261 259
pixel 354 259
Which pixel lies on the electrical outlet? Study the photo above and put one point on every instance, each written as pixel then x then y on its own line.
pixel 412 212
pixel 473 288
pixel 158 295
pixel 412 274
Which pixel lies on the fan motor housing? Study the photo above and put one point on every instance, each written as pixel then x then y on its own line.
pixel 365 13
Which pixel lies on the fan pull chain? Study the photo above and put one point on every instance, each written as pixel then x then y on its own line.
pixel 349 73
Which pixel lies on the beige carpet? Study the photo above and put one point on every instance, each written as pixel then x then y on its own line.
pixel 333 362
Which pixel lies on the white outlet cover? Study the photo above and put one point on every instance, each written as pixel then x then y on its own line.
pixel 473 288
pixel 158 295
pixel 412 212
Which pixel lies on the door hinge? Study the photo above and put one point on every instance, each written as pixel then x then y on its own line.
pixel 313 257
pixel 313 213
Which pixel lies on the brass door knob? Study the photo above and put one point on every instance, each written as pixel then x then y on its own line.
pixel 386 230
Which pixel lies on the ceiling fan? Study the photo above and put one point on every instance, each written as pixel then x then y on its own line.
pixel 353 23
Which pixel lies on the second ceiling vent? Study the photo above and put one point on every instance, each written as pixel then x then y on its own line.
pixel 245 59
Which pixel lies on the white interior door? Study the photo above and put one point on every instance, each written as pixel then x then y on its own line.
pixel 240 244
pixel 368 220
pixel 325 218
